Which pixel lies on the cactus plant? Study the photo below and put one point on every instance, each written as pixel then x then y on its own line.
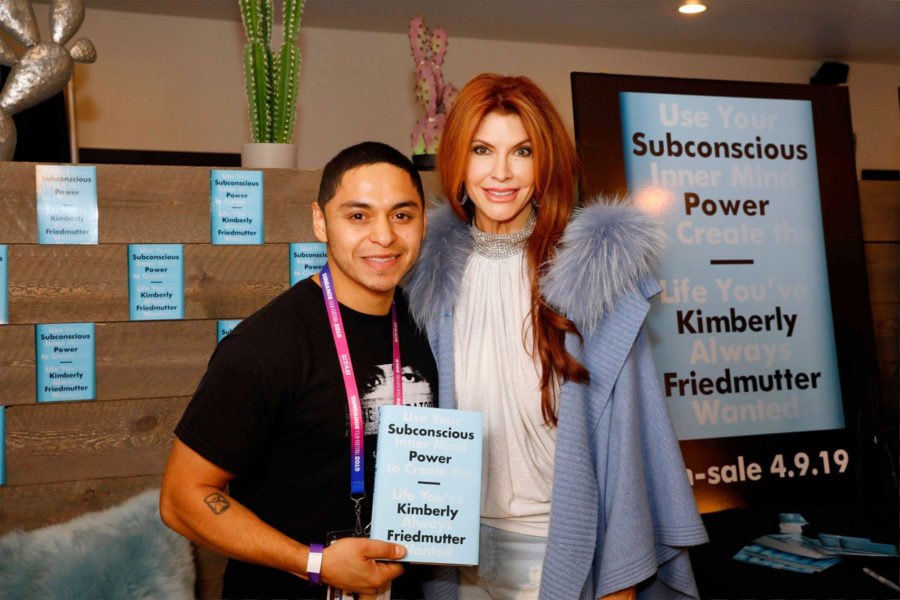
pixel 429 46
pixel 271 79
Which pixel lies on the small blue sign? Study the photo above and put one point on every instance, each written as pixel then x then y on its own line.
pixel 4 285
pixel 155 281
pixel 65 361
pixel 307 258
pixel 66 204
pixel 225 327
pixel 236 206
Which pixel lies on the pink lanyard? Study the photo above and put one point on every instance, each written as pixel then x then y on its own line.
pixel 357 471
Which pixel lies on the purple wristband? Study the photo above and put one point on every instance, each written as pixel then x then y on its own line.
pixel 314 564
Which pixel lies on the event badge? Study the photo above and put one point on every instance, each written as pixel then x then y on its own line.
pixel 333 592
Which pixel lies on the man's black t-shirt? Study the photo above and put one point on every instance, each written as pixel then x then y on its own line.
pixel 272 410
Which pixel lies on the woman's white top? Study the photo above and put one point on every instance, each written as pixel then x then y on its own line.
pixel 496 374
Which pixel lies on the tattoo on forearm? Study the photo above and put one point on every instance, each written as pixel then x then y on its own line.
pixel 217 503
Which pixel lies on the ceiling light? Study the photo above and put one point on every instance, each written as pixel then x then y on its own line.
pixel 691 7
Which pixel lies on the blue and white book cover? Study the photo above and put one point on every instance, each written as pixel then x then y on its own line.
pixel 155 281
pixel 236 206
pixel 4 285
pixel 65 361
pixel 307 258
pixel 427 494
pixel 66 204
pixel 2 445
pixel 224 327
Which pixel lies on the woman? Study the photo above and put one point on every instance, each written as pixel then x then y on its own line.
pixel 535 316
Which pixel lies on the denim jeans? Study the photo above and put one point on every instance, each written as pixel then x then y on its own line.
pixel 509 567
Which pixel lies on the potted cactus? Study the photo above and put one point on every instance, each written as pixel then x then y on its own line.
pixel 272 84
pixel 429 46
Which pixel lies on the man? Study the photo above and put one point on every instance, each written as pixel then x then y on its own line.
pixel 270 418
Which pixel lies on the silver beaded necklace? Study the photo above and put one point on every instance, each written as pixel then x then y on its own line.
pixel 502 245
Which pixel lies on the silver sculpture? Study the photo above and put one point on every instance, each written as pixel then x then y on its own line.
pixel 44 68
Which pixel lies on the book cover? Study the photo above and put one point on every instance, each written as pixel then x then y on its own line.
pixel 307 258
pixel 224 327
pixel 236 206
pixel 427 494
pixel 4 285
pixel 155 281
pixel 65 361
pixel 66 204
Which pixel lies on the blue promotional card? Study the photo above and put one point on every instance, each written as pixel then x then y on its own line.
pixel 66 204
pixel 2 445
pixel 742 331
pixel 224 327
pixel 155 281
pixel 427 493
pixel 65 361
pixel 307 259
pixel 4 285
pixel 236 206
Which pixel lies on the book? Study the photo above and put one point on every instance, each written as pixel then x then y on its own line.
pixel 427 494
pixel 66 204
pixel 307 258
pixel 65 361
pixel 236 206
pixel 224 327
pixel 155 281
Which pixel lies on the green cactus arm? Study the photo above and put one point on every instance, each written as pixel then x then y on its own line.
pixel 257 92
pixel 250 17
pixel 266 16
pixel 293 11
pixel 271 79
pixel 285 103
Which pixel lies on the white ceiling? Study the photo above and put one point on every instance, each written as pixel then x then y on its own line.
pixel 849 30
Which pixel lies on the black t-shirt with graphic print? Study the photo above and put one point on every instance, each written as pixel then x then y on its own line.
pixel 272 410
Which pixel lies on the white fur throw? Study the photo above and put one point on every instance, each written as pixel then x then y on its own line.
pixel 122 552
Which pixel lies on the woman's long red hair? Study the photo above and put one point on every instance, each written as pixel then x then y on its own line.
pixel 556 167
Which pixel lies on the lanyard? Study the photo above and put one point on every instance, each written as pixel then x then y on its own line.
pixel 357 471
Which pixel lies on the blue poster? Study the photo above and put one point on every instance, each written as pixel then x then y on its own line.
pixel 307 259
pixel 4 285
pixel 742 331
pixel 66 204
pixel 65 361
pixel 224 327
pixel 236 206
pixel 155 281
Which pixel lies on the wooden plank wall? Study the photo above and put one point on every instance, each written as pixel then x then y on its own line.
pixel 68 458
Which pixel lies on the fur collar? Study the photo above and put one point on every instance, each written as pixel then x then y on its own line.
pixel 607 249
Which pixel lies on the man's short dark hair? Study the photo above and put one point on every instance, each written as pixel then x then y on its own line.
pixel 360 155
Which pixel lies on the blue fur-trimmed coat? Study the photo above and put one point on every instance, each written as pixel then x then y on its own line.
pixel 622 511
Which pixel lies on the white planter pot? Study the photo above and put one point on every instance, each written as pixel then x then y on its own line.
pixel 269 156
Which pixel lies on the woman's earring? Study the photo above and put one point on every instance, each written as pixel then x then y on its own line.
pixel 534 203
pixel 464 198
